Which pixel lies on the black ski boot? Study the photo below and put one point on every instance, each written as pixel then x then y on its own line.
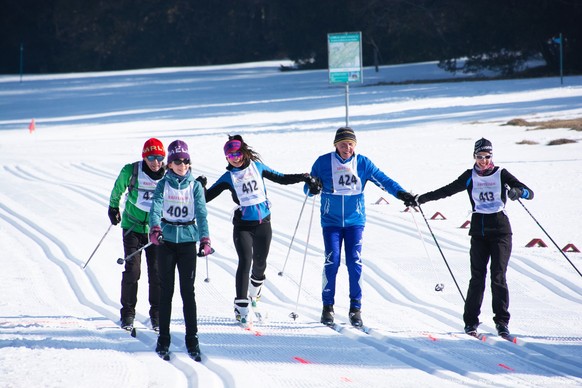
pixel 193 348
pixel 502 329
pixel 127 323
pixel 356 317
pixel 471 329
pixel 163 348
pixel 327 315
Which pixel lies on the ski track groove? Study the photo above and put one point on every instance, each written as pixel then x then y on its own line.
pixel 84 167
pixel 414 357
pixel 82 190
pixel 560 368
pixel 24 226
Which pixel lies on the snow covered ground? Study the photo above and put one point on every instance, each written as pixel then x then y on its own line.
pixel 59 323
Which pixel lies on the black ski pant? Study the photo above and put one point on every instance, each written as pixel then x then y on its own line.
pixel 498 249
pixel 182 256
pixel 252 245
pixel 133 241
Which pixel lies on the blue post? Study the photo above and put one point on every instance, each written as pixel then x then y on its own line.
pixel 21 60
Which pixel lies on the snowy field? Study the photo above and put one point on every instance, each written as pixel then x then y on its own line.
pixel 59 322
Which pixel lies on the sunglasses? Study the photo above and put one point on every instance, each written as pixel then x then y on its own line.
pixel 234 155
pixel 178 162
pixel 159 158
pixel 481 157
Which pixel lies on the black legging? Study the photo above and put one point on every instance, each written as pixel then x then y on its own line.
pixel 183 256
pixel 252 245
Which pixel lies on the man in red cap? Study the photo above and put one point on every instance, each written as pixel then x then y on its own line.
pixel 139 179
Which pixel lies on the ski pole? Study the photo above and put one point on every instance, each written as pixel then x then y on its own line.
pixel 442 254
pixel 551 239
pixel 439 286
pixel 293 314
pixel 207 280
pixel 97 247
pixel 121 261
pixel 294 233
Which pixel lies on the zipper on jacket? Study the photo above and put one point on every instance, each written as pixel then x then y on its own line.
pixel 343 212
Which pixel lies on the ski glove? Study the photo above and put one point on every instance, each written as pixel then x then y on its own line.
pixel 156 235
pixel 202 179
pixel 114 215
pixel 314 184
pixel 414 202
pixel 515 193
pixel 205 248
pixel 408 198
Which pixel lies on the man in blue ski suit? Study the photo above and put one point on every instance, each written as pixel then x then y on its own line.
pixel 343 175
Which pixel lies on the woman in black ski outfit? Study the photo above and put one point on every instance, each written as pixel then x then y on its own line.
pixel 490 231
pixel 252 227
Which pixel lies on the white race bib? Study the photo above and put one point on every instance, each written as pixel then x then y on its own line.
pixel 178 203
pixel 145 187
pixel 345 177
pixel 249 186
pixel 486 193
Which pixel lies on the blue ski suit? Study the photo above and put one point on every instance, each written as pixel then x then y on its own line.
pixel 343 216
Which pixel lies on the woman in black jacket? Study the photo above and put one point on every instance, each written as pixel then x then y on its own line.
pixel 488 187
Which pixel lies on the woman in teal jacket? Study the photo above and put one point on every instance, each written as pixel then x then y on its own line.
pixel 177 222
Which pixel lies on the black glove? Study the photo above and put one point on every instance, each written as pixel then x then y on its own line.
pixel 515 193
pixel 408 198
pixel 314 184
pixel 114 215
pixel 202 179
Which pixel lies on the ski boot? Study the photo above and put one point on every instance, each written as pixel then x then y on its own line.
pixel 163 348
pixel 241 311
pixel 471 329
pixel 255 287
pixel 502 329
pixel 355 317
pixel 193 348
pixel 127 323
pixel 327 315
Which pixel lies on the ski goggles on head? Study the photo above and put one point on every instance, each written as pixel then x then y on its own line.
pixel 151 158
pixel 481 157
pixel 178 162
pixel 234 155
